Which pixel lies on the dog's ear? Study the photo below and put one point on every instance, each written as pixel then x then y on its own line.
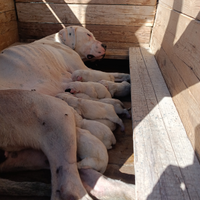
pixel 68 36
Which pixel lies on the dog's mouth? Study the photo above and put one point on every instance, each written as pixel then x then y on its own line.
pixel 90 56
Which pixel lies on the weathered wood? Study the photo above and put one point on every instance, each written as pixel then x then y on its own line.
pixel 106 2
pixel 186 105
pixel 190 8
pixel 118 37
pixel 165 162
pixel 8 24
pixel 83 14
pixel 180 39
pixel 181 146
pixel 8 38
pixel 6 5
pixel 175 41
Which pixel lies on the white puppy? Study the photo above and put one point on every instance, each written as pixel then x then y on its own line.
pixel 91 151
pixel 119 77
pixel 91 75
pixel 118 105
pixel 94 90
pixel 91 109
pixel 101 131
pixel 117 89
pixel 108 123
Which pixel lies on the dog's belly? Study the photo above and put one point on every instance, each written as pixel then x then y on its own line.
pixel 37 66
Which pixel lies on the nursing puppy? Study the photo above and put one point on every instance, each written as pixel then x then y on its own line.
pixel 91 109
pixel 91 151
pixel 118 105
pixel 108 123
pixel 91 75
pixel 117 89
pixel 99 130
pixel 92 89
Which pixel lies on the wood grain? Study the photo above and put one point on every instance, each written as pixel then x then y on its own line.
pixel 6 5
pixel 190 8
pixel 106 2
pixel 8 27
pixel 130 36
pixel 83 14
pixel 164 157
pixel 175 42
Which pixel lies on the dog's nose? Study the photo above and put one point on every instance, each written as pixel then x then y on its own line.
pixel 104 46
pixel 68 90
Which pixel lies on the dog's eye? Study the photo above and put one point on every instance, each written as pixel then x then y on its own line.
pixel 88 34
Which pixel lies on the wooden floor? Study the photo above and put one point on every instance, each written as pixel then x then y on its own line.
pixel 166 166
pixel 121 157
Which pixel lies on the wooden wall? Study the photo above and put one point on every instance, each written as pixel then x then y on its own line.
pixel 176 44
pixel 118 23
pixel 8 24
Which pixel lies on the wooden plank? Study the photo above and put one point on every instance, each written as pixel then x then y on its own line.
pixel 186 105
pixel 182 45
pixel 184 153
pixel 106 2
pixel 114 36
pixel 6 5
pixel 83 14
pixel 164 161
pixel 8 29
pixel 8 16
pixel 8 38
pixel 139 111
pixel 154 178
pixel 177 52
pixel 190 8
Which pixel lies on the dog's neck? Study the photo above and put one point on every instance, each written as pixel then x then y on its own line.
pixel 69 38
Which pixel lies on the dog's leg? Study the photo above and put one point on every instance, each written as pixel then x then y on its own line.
pixel 42 122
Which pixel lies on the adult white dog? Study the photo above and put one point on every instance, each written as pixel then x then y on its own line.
pixel 45 66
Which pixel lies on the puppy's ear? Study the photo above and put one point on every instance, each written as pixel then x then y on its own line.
pixel 67 36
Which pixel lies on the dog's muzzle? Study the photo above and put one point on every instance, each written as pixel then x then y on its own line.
pixel 89 56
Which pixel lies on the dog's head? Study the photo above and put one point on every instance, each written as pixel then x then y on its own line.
pixel 83 42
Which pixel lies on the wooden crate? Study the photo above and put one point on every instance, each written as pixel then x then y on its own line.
pixel 174 39
pixel 120 24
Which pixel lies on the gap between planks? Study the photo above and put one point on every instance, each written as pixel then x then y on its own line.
pixel 166 166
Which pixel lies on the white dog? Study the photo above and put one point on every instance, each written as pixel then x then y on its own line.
pixel 41 122
pixel 92 89
pixel 92 109
pixel 32 120
pixel 91 151
pixel 101 131
pixel 46 66
pixel 91 75
pixel 117 89
pixel 118 105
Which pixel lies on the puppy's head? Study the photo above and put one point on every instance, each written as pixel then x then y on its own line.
pixel 83 42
